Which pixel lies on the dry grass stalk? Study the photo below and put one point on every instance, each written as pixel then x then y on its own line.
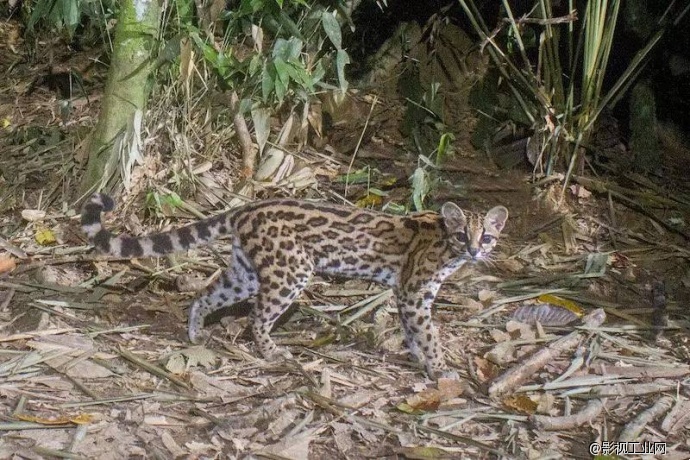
pixel 155 370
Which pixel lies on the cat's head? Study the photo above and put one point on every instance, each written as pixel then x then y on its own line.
pixel 473 235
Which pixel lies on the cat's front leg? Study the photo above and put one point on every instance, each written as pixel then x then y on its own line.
pixel 421 336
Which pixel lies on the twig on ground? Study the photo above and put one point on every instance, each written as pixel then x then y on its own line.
pixel 590 412
pixel 520 373
pixel 632 431
pixel 155 370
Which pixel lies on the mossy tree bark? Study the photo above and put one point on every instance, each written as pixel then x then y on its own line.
pixel 112 142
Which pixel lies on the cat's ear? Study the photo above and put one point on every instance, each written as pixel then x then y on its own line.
pixel 496 218
pixel 453 217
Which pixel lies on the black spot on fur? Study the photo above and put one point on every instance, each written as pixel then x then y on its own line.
pixel 317 221
pixel 361 219
pixel 91 214
pixel 185 236
pixel 108 203
pixel 102 240
pixel 343 227
pixel 161 243
pixel 202 230
pixel 340 212
pixel 130 247
pixel 411 224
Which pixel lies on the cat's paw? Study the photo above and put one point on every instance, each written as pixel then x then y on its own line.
pixel 441 372
pixel 197 336
pixel 277 354
pixel 450 375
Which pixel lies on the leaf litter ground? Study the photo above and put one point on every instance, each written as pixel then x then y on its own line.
pixel 94 361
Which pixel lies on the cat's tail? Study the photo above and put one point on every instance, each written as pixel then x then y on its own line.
pixel 157 244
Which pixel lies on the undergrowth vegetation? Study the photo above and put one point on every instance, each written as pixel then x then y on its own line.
pixel 550 71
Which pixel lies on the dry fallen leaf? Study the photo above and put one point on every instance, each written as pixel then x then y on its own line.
pixel 182 360
pixel 521 403
pixel 7 264
pixel 486 370
pixel 33 215
pixel 428 399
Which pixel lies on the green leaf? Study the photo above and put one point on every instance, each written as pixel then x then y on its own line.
pixel 281 89
pixel 282 71
pixel 341 60
pixel 420 188
pixel 294 49
pixel 70 14
pixel 287 50
pixel 332 29
pixel 185 11
pixel 443 144
pixel 267 85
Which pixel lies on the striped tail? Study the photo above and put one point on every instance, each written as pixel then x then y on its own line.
pixel 157 244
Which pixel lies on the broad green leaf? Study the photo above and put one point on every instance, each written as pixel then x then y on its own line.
pixel 289 25
pixel 267 86
pixel 280 49
pixel 294 49
pixel 70 13
pixel 255 64
pixel 332 29
pixel 341 60
pixel 282 71
pixel 281 89
pixel 318 73
pixel 420 188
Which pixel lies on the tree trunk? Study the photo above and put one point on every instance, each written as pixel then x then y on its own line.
pixel 114 144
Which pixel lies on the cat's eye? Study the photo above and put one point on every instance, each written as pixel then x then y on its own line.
pixel 486 239
pixel 462 237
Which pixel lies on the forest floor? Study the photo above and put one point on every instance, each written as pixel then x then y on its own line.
pixel 95 361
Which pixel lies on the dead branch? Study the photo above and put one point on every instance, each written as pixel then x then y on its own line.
pixel 632 431
pixel 520 373
pixel 585 416
pixel 249 150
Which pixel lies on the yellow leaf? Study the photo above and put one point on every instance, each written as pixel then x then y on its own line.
pixel 388 181
pixel 561 302
pixel 81 419
pixel 369 200
pixel 521 403
pixel 425 453
pixel 61 420
pixel 406 408
pixel 45 236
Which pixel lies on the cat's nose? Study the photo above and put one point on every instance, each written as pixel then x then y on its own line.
pixel 473 251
